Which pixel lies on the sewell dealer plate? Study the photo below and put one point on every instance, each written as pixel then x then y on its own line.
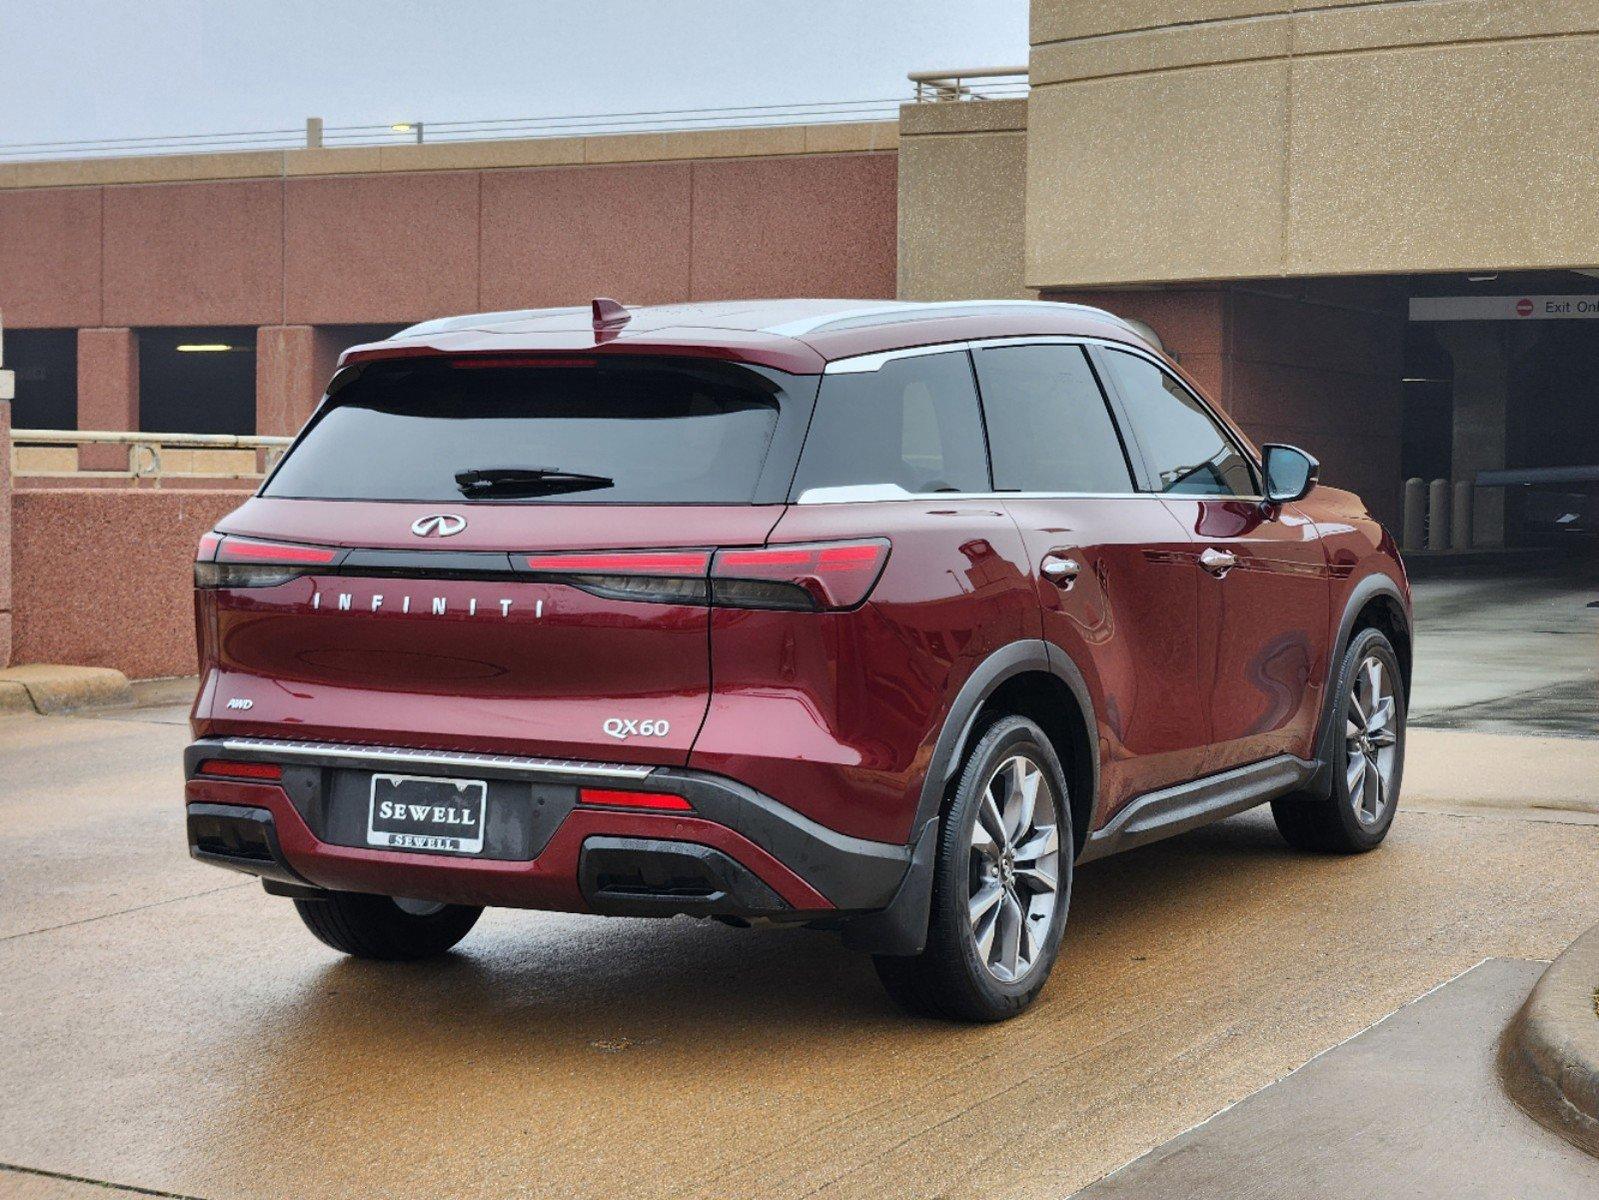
pixel 415 812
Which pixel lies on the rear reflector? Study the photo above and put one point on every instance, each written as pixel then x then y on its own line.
pixel 232 769
pixel 826 575
pixel 657 801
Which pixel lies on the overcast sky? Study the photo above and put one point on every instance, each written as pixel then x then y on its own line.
pixel 116 68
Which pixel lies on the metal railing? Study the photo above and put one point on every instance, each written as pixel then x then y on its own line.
pixel 316 134
pixel 999 83
pixel 189 455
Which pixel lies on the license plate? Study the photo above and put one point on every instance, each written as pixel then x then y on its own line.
pixel 414 812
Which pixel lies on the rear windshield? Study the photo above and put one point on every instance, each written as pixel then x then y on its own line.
pixel 628 431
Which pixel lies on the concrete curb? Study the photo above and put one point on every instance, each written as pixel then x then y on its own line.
pixel 43 688
pixel 1550 1056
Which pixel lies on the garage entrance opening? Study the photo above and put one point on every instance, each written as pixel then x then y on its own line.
pixel 1504 370
pixel 197 380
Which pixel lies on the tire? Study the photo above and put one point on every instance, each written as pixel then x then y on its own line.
pixel 377 927
pixel 957 976
pixel 1348 820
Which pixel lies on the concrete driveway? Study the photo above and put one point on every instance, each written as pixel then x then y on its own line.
pixel 168 1027
pixel 171 1028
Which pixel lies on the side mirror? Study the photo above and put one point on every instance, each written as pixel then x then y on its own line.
pixel 1289 471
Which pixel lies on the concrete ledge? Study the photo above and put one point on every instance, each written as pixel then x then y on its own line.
pixel 1550 1056
pixel 43 688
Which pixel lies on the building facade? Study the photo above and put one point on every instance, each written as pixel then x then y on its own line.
pixel 1367 227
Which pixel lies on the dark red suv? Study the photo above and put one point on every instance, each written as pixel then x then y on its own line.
pixel 869 617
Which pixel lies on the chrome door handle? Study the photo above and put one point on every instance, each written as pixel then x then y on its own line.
pixel 1217 562
pixel 1059 569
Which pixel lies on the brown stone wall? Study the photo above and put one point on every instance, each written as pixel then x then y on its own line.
pixel 5 534
pixel 396 246
pixel 104 576
pixel 295 255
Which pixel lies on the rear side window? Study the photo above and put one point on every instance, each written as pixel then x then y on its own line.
pixel 1049 428
pixel 627 431
pixel 1184 446
pixel 913 422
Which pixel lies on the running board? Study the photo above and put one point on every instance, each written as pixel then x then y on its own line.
pixel 1174 810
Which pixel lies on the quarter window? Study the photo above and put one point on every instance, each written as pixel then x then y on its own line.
pixel 1049 429
pixel 913 422
pixel 1185 449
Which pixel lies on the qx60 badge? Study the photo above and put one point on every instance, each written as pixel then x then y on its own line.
pixel 438 525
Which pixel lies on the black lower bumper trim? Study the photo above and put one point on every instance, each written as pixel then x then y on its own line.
pixel 647 877
pixel 240 839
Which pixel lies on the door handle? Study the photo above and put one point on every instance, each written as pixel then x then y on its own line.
pixel 1060 570
pixel 1217 562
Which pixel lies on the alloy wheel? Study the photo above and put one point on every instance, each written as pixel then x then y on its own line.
pixel 1014 876
pixel 1371 739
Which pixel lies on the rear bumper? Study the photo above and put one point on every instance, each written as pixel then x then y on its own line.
pixel 737 853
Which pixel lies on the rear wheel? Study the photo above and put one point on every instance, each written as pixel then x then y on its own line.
pixel 386 927
pixel 1001 884
pixel 1368 757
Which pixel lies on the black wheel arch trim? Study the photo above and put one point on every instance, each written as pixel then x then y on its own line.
pixel 901 928
pixel 1363 593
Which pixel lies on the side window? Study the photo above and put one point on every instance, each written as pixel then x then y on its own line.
pixel 1049 429
pixel 912 422
pixel 1185 447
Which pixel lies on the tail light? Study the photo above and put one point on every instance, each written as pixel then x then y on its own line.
pixel 824 575
pixel 233 562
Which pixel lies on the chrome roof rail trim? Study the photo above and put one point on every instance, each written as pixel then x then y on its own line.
pixel 912 310
pixel 395 756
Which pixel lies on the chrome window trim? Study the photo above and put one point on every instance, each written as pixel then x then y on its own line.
pixel 290 751
pixel 865 364
pixel 874 493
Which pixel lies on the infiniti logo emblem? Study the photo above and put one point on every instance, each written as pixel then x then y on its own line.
pixel 438 525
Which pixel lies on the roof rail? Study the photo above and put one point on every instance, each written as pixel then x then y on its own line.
pixel 912 310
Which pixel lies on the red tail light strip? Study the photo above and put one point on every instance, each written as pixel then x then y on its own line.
pixel 835 574
pixel 656 801
pixel 239 550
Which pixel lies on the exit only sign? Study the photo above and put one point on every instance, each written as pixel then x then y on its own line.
pixel 1503 308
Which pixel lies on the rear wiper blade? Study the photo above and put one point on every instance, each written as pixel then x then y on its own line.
pixel 527 481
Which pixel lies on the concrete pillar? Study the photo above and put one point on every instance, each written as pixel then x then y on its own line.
pixel 1438 515
pixel 108 392
pixel 292 366
pixel 1460 516
pixel 1414 534
pixel 1482 389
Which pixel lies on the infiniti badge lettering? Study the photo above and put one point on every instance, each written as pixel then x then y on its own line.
pixel 438 525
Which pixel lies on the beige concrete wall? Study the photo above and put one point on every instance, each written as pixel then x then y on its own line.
pixel 1180 140
pixel 962 184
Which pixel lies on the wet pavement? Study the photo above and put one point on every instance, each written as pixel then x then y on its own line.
pixel 1503 652
pixel 169 1027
